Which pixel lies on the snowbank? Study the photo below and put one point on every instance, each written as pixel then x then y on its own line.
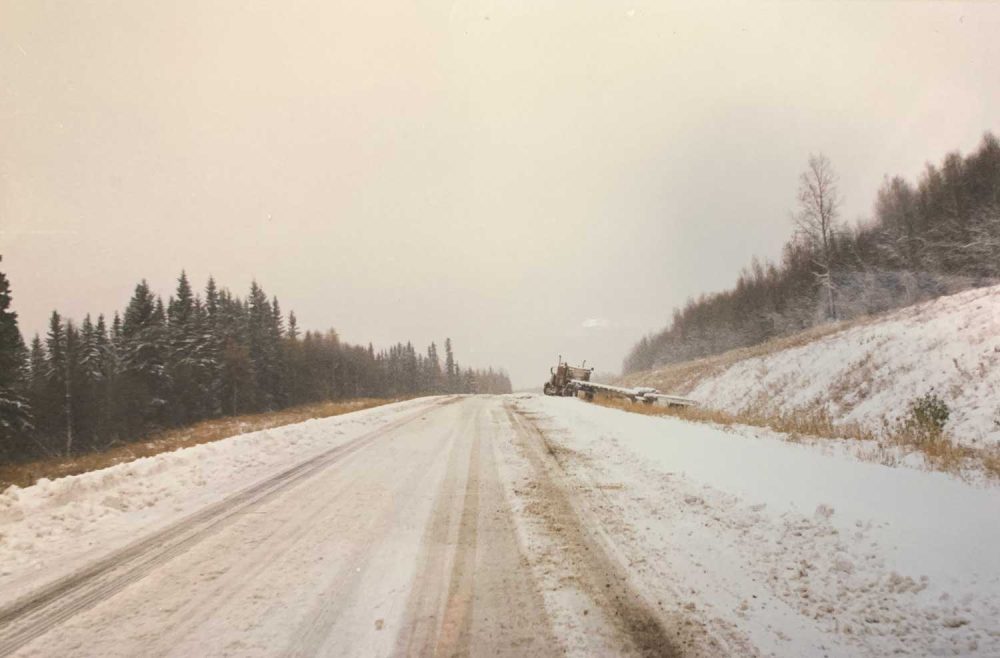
pixel 806 552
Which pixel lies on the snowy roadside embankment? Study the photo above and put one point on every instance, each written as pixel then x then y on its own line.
pixel 52 527
pixel 807 553
pixel 871 372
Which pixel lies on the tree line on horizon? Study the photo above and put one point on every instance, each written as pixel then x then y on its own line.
pixel 934 237
pixel 156 365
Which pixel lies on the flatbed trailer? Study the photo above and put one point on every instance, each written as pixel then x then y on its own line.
pixel 639 394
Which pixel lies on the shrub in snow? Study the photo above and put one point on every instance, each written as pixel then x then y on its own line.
pixel 927 417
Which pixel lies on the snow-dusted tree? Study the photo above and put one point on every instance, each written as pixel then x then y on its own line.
pixel 15 413
pixel 144 353
pixel 191 362
pixel 982 251
pixel 450 369
pixel 896 208
pixel 276 335
pixel 816 220
pixel 235 374
pixel 73 385
pixel 89 378
pixel 59 382
pixel 262 347
pixel 107 384
pixel 116 331
pixel 291 362
pixel 91 359
pixel 36 365
pixel 13 367
pixel 433 369
pixel 211 299
pixel 469 382
pixel 411 370
pixel 211 340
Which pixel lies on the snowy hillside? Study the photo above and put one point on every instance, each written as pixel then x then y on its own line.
pixel 867 372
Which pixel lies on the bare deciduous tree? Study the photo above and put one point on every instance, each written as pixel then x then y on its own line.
pixel 819 203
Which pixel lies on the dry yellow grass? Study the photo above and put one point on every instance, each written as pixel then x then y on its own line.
pixel 941 453
pixel 991 462
pixel 205 431
pixel 802 422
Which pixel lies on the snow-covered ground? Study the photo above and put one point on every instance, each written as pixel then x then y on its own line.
pixel 55 526
pixel 870 372
pixel 508 525
pixel 805 552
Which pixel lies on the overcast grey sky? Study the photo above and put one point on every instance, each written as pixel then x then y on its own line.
pixel 528 178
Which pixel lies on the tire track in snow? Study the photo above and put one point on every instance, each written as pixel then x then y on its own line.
pixel 456 624
pixel 242 574
pixel 604 579
pixel 425 602
pixel 313 632
pixel 34 614
pixel 474 593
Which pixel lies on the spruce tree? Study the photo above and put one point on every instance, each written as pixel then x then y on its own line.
pixel 450 375
pixel 15 412
pixel 91 359
pixel 106 375
pixel 279 382
pixel 36 365
pixel 12 352
pixel 433 370
pixel 88 383
pixel 73 386
pixel 211 298
pixel 58 396
pixel 183 367
pixel 236 384
pixel 261 346
pixel 144 353
pixel 116 331
pixel 211 341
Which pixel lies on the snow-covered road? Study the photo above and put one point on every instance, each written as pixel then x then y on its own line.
pixel 499 525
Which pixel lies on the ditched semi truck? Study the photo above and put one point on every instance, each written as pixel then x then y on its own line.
pixel 570 381
pixel 566 379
